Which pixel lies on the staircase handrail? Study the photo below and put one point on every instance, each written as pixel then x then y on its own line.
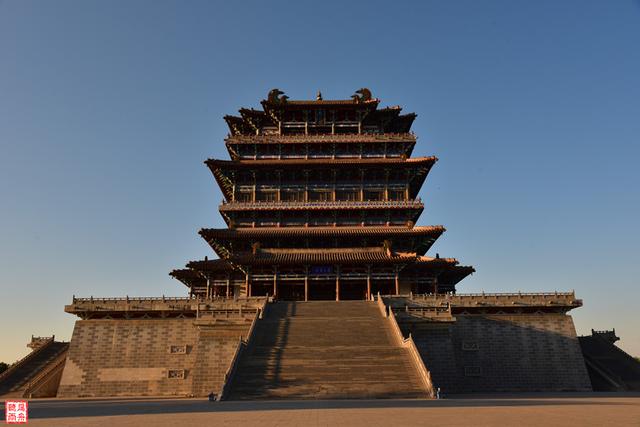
pixel 60 359
pixel 381 306
pixel 410 345
pixel 425 375
pixel 242 345
pixel 25 359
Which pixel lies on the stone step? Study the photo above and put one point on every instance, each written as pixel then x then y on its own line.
pixel 336 390
pixel 327 349
pixel 359 383
pixel 329 309
pixel 343 358
pixel 349 370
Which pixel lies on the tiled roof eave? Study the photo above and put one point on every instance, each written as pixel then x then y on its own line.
pixel 215 164
pixel 244 233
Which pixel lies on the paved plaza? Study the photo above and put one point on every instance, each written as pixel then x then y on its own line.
pixel 580 409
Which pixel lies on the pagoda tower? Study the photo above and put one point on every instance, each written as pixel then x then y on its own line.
pixel 320 202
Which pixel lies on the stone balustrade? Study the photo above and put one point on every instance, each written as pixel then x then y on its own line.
pixel 438 313
pixel 511 301
pixel 123 306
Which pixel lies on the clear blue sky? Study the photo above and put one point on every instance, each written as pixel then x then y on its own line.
pixel 108 109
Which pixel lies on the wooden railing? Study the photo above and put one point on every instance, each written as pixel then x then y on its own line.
pixel 243 344
pixel 352 137
pixel 409 344
pixel 371 204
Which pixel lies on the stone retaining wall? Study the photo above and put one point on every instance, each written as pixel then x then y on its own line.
pixel 502 352
pixel 148 357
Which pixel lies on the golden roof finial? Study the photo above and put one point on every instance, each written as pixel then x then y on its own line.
pixel 319 96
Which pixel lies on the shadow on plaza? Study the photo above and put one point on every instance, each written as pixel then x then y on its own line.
pixel 95 408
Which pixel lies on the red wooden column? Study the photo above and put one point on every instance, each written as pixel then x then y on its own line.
pixel 368 282
pixel 337 283
pixel 275 282
pixel 397 280
pixel 228 282
pixel 253 191
pixel 306 283
pixel 386 180
pixel 247 283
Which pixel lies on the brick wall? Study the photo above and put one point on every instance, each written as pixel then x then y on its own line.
pixel 150 357
pixel 489 353
pixel 214 345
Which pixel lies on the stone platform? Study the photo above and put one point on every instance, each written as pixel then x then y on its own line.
pixel 255 348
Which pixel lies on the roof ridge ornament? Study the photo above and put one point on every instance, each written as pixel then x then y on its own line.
pixel 274 97
pixel 319 96
pixel 362 95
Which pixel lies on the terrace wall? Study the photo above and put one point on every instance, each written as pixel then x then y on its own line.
pixel 123 357
pixel 502 352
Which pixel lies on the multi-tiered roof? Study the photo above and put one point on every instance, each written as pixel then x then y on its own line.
pixel 320 200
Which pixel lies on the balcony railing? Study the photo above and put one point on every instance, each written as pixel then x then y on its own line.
pixel 299 138
pixel 320 205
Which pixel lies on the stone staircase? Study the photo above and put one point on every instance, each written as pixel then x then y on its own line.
pixel 15 381
pixel 610 368
pixel 324 350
